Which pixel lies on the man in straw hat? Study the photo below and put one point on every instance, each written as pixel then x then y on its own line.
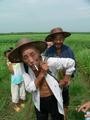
pixel 41 82
pixel 58 49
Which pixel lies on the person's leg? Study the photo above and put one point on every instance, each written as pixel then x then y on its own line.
pixel 22 94
pixel 22 91
pixel 41 115
pixel 52 108
pixel 15 97
pixel 66 112
pixel 15 93
pixel 65 94
pixel 57 116
pixel 44 108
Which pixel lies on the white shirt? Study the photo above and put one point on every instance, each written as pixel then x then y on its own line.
pixel 54 64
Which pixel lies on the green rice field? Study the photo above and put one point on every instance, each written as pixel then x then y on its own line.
pixel 79 87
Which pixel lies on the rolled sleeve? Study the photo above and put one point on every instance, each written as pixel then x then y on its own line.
pixel 67 64
pixel 70 66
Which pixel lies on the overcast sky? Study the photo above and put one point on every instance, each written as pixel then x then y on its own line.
pixel 43 15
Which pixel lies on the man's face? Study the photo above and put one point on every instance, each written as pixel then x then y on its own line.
pixel 31 57
pixel 58 40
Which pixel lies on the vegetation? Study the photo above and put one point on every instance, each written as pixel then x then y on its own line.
pixel 79 88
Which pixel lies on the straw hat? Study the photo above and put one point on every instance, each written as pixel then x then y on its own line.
pixel 14 55
pixel 56 31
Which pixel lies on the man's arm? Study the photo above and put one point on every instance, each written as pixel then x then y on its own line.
pixel 69 67
pixel 65 81
pixel 43 70
pixel 32 85
pixel 66 64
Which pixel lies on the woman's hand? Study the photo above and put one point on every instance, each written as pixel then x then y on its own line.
pixel 84 107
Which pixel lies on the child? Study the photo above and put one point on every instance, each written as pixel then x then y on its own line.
pixel 17 83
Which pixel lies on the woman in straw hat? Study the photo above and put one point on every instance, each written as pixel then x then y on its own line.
pixel 41 81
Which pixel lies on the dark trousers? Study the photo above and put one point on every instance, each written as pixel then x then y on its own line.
pixel 65 94
pixel 48 105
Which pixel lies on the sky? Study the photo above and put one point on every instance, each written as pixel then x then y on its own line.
pixel 43 15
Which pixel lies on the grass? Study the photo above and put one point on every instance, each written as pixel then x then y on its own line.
pixel 78 95
pixel 79 88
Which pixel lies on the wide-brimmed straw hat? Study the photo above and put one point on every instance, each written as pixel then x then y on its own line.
pixel 56 31
pixel 14 55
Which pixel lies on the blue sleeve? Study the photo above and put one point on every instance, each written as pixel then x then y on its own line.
pixel 71 54
pixel 50 52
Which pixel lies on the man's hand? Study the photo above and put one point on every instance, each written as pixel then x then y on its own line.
pixel 65 82
pixel 42 72
pixel 43 67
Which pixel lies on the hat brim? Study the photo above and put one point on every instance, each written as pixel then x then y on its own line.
pixel 50 36
pixel 14 55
